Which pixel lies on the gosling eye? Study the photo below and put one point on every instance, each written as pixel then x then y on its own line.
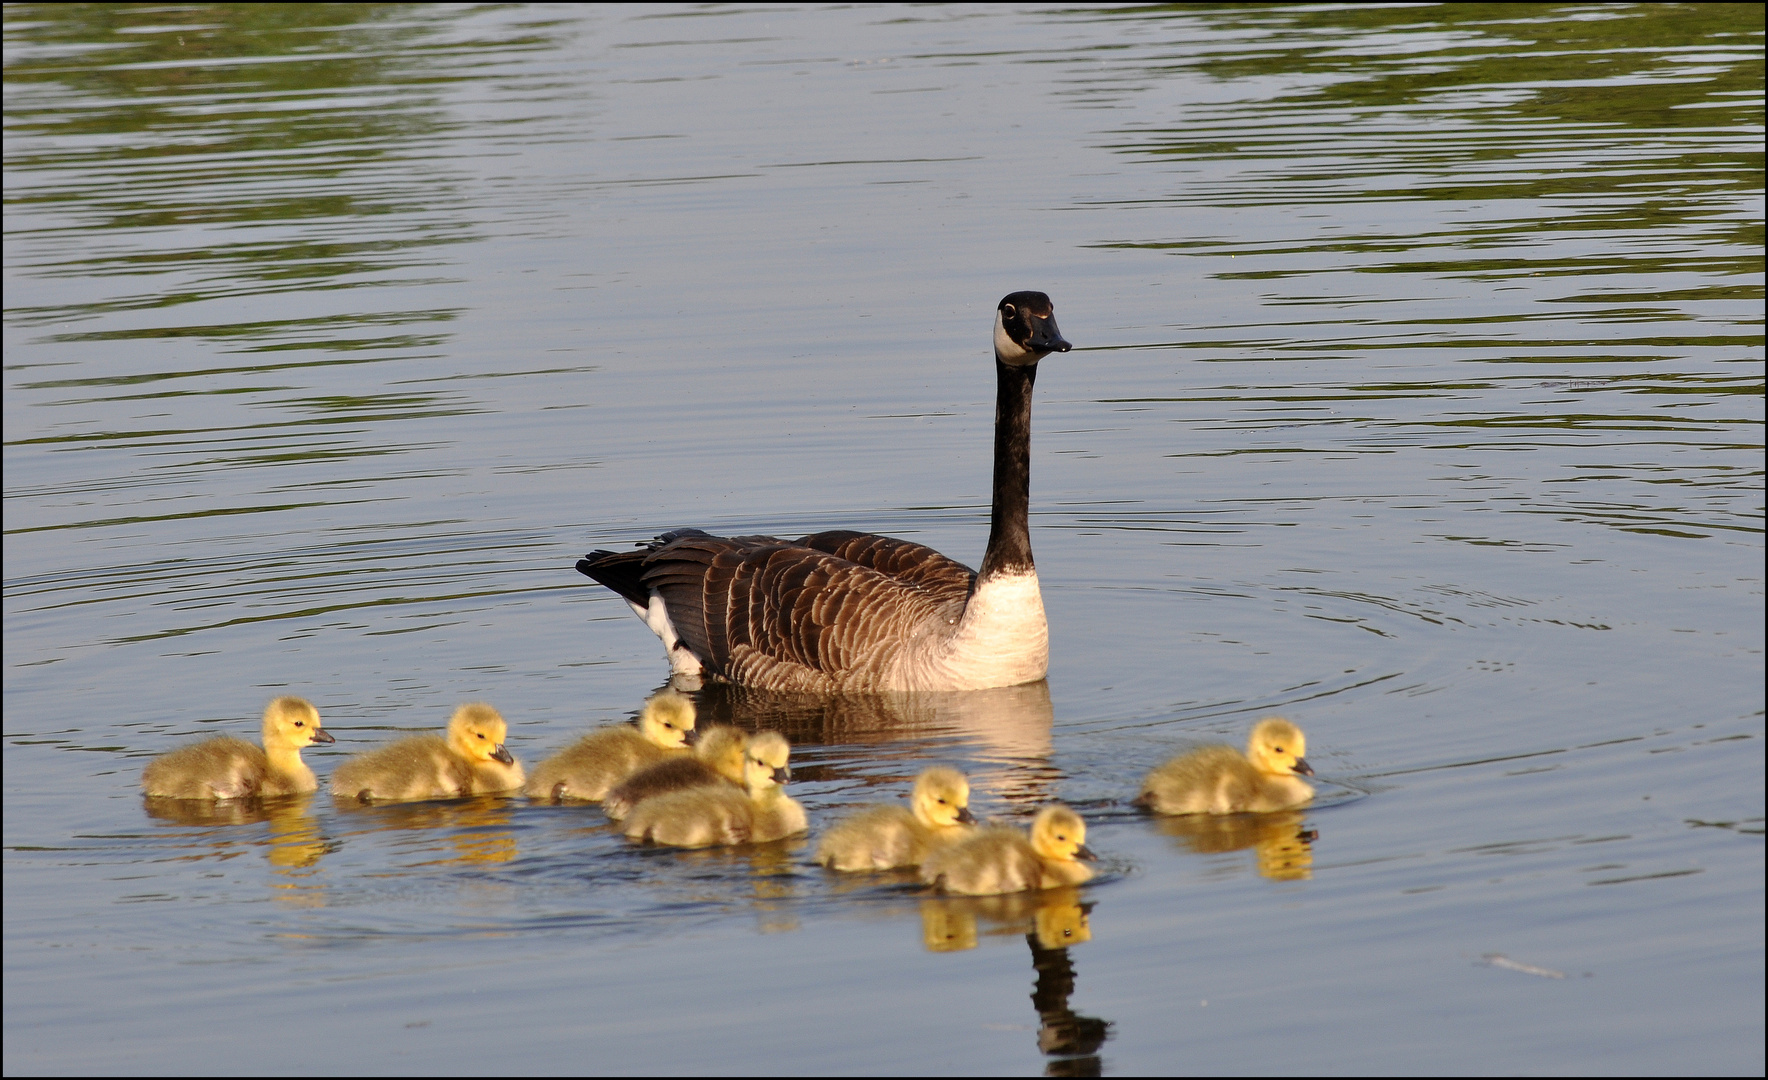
pixel 300 723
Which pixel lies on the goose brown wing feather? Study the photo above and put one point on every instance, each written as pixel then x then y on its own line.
pixel 746 601
pixel 946 580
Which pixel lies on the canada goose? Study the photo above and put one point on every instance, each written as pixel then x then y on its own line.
pixel 720 815
pixel 1221 780
pixel 849 611
pixel 1000 860
pixel 589 767
pixel 228 768
pixel 717 759
pixel 887 837
pixel 472 761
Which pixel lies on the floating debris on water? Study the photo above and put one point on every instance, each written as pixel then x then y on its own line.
pixel 1499 960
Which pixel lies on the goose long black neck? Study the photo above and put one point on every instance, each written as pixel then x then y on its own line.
pixel 1009 533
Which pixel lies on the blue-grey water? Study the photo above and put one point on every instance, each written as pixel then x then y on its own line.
pixel 1417 397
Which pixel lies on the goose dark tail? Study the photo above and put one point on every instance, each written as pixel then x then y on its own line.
pixel 622 571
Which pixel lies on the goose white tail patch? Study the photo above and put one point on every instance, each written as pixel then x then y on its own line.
pixel 682 660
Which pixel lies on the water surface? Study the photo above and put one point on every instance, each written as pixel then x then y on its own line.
pixel 1417 397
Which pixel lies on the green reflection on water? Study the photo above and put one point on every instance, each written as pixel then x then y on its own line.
pixel 215 152
pixel 1549 123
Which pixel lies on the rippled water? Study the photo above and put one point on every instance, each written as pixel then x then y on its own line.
pixel 1418 397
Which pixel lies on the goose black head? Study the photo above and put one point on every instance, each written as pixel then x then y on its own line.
pixel 1025 329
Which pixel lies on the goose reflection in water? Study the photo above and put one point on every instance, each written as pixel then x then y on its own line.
pixel 293 847
pixel 1009 727
pixel 1052 921
pixel 1283 848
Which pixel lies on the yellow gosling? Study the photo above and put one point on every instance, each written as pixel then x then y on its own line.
pixel 721 815
pixel 228 768
pixel 1221 780
pixel 888 837
pixel 1000 860
pixel 595 763
pixel 471 761
pixel 717 761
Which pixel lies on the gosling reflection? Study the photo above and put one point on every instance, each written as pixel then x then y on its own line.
pixel 772 876
pixel 1283 848
pixel 696 878
pixel 1072 1039
pixel 477 831
pixel 1052 921
pixel 1056 918
pixel 293 845
pixel 295 842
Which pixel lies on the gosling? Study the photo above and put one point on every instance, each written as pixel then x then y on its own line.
pixel 586 769
pixel 717 761
pixel 1221 780
pixel 1000 860
pixel 472 761
pixel 888 837
pixel 228 768
pixel 721 815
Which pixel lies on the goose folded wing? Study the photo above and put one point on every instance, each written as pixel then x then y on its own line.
pixel 786 601
pixel 946 581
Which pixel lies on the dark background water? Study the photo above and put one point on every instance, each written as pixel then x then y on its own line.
pixel 1418 397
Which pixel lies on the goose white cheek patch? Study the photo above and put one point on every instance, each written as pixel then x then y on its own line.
pixel 1010 351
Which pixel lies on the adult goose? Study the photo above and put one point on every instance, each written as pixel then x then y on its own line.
pixel 850 611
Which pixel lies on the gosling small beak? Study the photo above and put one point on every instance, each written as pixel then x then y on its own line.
pixel 965 816
pixel 323 735
pixel 690 736
pixel 1302 767
pixel 782 774
pixel 1085 852
pixel 1045 338
pixel 503 755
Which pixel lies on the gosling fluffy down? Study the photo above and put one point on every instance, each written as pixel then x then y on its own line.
pixel 228 768
pixel 1221 780
pixel 1000 860
pixel 722 815
pixel 888 837
pixel 717 761
pixel 471 761
pixel 586 769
